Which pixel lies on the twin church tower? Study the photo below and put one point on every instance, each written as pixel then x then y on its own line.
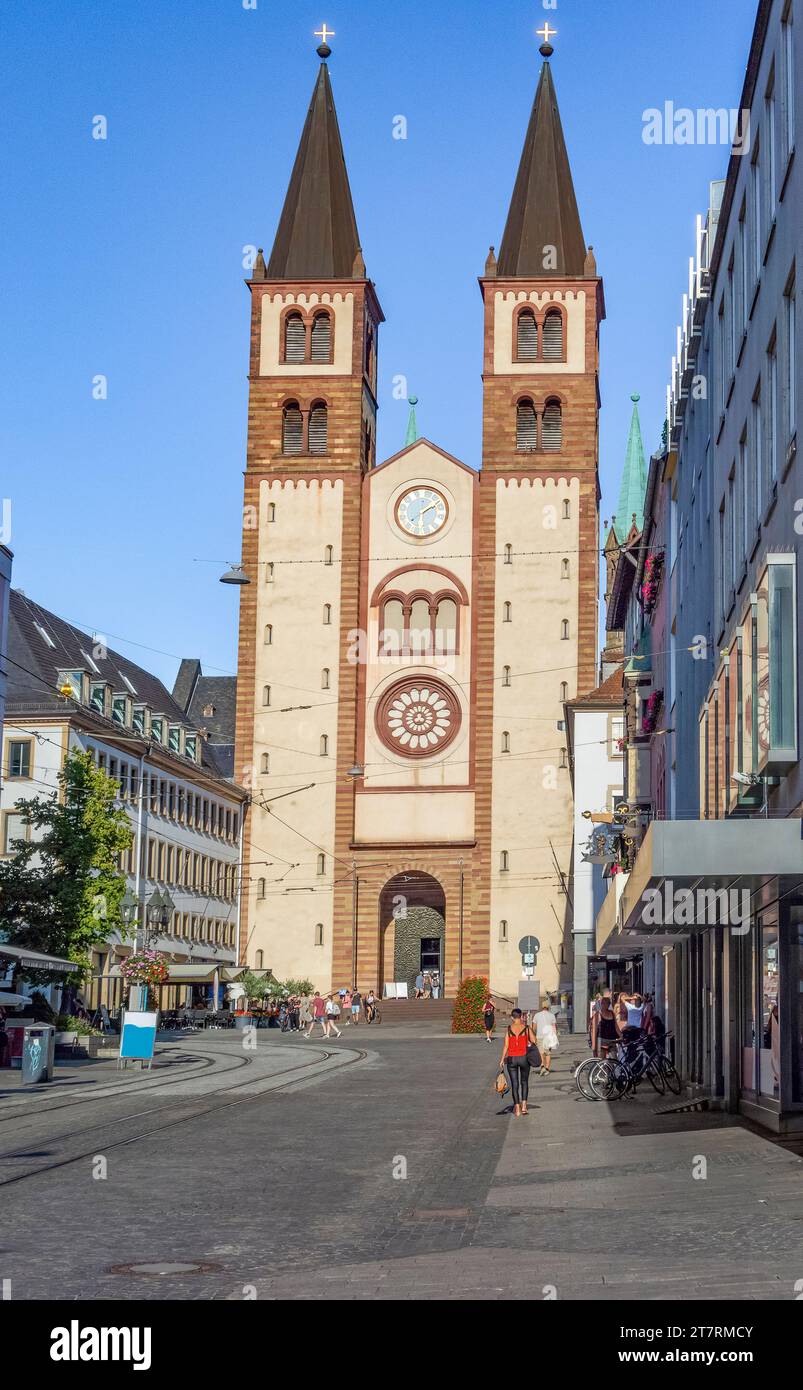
pixel 413 626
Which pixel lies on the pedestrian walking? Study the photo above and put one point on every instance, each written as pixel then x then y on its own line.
pixel 332 1010
pixel 546 1035
pixel 304 1012
pixel 356 1002
pixel 346 1006
pixel 489 1017
pixel 419 985
pixel 514 1057
pixel 318 1010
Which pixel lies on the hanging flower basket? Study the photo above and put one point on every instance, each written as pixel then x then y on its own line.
pixel 651 584
pixel 651 712
pixel 145 968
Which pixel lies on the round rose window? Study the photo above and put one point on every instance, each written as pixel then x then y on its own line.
pixel 418 717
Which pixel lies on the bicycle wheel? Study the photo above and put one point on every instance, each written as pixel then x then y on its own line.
pixel 671 1077
pixel 655 1076
pixel 377 1016
pixel 622 1077
pixel 602 1080
pixel 581 1078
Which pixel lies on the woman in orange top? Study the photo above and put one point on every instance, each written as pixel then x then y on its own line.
pixel 514 1055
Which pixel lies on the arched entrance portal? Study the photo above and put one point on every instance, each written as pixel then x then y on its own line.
pixel 412 929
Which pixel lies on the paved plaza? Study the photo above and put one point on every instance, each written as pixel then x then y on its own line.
pixel 385 1169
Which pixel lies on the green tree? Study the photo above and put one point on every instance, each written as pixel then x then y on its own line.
pixel 62 889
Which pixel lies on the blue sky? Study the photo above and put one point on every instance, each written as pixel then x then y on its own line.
pixel 123 257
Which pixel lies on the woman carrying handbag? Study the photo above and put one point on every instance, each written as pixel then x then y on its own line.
pixel 519 1040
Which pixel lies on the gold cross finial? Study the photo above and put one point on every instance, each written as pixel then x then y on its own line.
pixel 546 34
pixel 323 33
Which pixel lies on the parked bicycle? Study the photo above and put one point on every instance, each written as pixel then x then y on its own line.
pixel 614 1077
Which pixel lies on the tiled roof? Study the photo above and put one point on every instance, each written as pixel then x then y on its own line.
pixel 40 644
pixel 608 693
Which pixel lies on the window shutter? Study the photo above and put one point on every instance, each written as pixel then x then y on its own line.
pixel 526 436
pixel 292 430
pixel 318 430
pixel 321 338
pixel 552 427
pixel 295 345
pixel 527 337
pixel 553 338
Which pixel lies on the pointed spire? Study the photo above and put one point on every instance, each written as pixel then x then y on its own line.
pixel 317 236
pixel 490 264
pixel 412 424
pixel 634 477
pixel 543 210
pixel 259 271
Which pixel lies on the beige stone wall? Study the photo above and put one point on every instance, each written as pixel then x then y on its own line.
pixel 308 517
pixel 272 307
pixel 531 798
pixel 505 305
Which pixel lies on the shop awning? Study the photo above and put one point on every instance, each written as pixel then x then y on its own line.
pixel 718 860
pixel 38 960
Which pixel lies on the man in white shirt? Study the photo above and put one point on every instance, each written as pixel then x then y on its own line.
pixel 546 1032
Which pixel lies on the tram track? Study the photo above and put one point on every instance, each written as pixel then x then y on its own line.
pixel 271 1085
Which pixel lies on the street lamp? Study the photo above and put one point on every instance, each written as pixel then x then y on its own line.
pixel 235 574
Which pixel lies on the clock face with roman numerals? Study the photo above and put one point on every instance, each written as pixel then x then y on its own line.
pixel 421 511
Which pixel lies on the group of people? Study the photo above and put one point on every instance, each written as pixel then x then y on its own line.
pixel 529 1043
pixel 621 1017
pixel 331 1009
pixel 427 985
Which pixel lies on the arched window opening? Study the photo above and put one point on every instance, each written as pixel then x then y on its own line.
pixel 271 517
pixel 329 555
pixel 553 336
pixel 369 347
pixel 505 741
pixel 564 692
pixel 292 432
pixel 321 341
pixel 260 956
pixel 268 634
pixel 295 339
pixel 564 759
pixel 508 554
pixel 420 633
pixel 321 863
pixel 526 337
pixel 266 694
pixel 318 429
pixel 526 425
pixel 325 678
pixel 327 614
pixel 319 933
pixel 506 675
pixel 265 765
pixel 260 888
pixel 503 930
pixel 564 630
pixel 552 426
pixel 507 612
pixel 269 572
pixel 392 635
pixel 324 745
pixel 567 510
pixel 504 862
pixel 564 569
pixel 446 627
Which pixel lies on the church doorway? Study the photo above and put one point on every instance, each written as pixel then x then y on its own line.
pixel 412 925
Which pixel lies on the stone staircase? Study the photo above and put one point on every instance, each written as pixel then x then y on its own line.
pixel 416 1011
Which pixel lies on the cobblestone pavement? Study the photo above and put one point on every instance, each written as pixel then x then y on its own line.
pixel 301 1192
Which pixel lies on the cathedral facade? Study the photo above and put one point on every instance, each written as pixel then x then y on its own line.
pixel 413 627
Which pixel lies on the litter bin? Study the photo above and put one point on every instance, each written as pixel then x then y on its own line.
pixel 38 1052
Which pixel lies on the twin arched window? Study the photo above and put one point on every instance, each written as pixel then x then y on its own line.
pixel 300 428
pixel 539 342
pixel 419 626
pixel 309 341
pixel 527 434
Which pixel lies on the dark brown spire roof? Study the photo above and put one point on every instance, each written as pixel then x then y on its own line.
pixel 543 209
pixel 317 236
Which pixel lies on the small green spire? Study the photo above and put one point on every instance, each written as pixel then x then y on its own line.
pixel 412 427
pixel 634 479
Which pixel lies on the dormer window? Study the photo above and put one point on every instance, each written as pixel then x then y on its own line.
pixel 122 709
pixel 74 684
pixel 140 719
pixel 100 698
pixel 158 728
pixel 209 711
pixel 175 738
pixel 191 746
